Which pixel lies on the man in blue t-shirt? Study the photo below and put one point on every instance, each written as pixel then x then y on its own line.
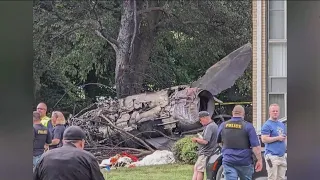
pixel 239 140
pixel 273 135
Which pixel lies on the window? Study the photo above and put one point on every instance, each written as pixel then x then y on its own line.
pixel 277 19
pixel 277 44
pixel 281 100
pixel 277 84
pixel 277 54
pixel 277 59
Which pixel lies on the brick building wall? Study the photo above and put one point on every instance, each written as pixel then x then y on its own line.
pixel 264 66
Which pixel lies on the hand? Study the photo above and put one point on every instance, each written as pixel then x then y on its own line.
pixel 46 147
pixel 281 138
pixel 194 139
pixel 259 165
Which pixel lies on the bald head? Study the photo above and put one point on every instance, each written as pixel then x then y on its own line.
pixel 42 109
pixel 238 111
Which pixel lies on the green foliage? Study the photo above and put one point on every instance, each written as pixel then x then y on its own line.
pixel 185 150
pixel 192 37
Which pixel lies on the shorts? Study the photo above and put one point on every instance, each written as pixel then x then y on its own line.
pixel 201 163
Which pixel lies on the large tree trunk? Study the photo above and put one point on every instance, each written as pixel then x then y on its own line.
pixel 135 42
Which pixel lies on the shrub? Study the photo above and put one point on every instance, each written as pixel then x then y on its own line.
pixel 185 150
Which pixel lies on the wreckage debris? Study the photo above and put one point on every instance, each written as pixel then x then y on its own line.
pixel 134 120
pixel 128 160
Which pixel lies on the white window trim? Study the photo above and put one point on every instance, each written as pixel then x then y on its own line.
pixel 285 100
pixel 278 77
pixel 280 41
pixel 285 19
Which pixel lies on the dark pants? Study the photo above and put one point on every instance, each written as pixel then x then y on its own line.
pixel 232 172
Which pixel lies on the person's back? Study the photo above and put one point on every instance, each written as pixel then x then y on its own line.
pixel 238 150
pixel 69 162
pixel 239 141
pixel 66 163
pixel 41 137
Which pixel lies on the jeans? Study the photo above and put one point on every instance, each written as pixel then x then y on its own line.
pixel 35 160
pixel 232 172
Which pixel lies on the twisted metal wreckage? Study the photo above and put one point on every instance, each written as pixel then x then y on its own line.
pixel 144 122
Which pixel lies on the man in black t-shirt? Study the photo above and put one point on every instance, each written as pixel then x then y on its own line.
pixel 41 137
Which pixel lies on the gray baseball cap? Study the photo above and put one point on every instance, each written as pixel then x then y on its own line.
pixel 203 114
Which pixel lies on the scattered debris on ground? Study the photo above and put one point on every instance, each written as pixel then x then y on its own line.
pixel 129 160
pixel 157 158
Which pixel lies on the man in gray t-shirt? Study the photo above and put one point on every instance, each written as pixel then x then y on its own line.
pixel 207 144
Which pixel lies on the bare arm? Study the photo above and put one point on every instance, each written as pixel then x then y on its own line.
pixel 257 152
pixel 55 142
pixel 268 139
pixel 201 141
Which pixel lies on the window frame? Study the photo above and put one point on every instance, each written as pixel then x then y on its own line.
pixel 285 100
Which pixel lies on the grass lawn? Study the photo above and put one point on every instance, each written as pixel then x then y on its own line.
pixel 159 172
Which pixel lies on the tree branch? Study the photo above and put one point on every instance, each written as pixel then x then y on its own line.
pixel 113 42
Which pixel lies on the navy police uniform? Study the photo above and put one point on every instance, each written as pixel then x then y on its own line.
pixel 41 136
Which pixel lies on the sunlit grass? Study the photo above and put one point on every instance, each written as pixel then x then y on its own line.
pixel 159 172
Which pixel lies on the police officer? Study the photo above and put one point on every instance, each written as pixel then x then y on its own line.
pixel 41 137
pixel 69 162
pixel 238 139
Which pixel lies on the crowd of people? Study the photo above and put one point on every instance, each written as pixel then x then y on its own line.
pixel 241 148
pixel 58 149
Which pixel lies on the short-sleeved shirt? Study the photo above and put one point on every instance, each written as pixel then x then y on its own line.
pixel 209 134
pixel 67 163
pixel 41 137
pixel 57 133
pixel 239 157
pixel 50 126
pixel 274 128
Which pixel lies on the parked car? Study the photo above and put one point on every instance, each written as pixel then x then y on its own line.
pixel 215 169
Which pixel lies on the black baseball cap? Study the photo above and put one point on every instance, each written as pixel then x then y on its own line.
pixel 203 114
pixel 74 133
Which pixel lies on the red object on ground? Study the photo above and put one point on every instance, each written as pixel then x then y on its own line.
pixel 133 158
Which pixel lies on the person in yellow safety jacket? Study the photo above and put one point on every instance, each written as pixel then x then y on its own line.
pixel 45 120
